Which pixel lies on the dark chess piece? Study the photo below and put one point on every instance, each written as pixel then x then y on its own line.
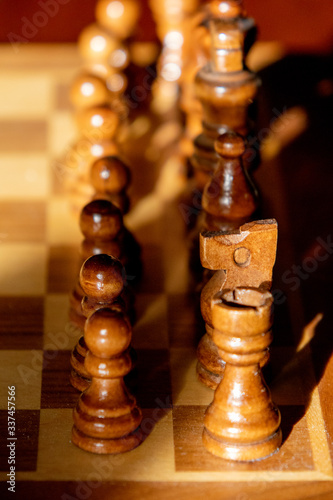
pixel 102 280
pixel 227 92
pixel 107 418
pixel 230 198
pixel 243 257
pixel 101 224
pixel 242 423
pixel 110 178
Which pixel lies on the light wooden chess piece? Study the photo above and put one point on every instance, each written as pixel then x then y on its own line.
pixel 107 418
pixel 102 280
pixel 242 423
pixel 243 257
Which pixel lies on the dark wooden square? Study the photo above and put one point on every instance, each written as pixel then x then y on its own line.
pixel 150 380
pixel 57 391
pixel 185 323
pixel 21 325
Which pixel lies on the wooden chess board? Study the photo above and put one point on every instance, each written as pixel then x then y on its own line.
pixel 38 267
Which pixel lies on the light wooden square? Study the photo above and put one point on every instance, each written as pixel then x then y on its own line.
pixel 23 269
pixel 186 388
pixel 24 176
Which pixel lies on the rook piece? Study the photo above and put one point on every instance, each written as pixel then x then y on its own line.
pixel 101 278
pixel 242 423
pixel 243 257
pixel 106 418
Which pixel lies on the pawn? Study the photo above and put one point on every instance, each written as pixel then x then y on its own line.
pixel 96 44
pixel 230 198
pixel 98 122
pixel 100 224
pixel 110 178
pixel 119 17
pixel 102 280
pixel 89 90
pixel 242 423
pixel 107 418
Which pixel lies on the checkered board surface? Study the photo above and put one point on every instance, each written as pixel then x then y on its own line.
pixel 38 266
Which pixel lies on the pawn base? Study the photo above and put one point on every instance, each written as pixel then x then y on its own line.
pixel 211 380
pixel 242 452
pixel 78 382
pixel 106 446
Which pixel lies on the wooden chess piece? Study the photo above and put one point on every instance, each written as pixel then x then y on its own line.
pixel 102 280
pixel 230 198
pixel 197 46
pixel 96 44
pixel 88 90
pixel 243 257
pixel 107 418
pixel 119 17
pixel 97 123
pixel 226 90
pixel 242 423
pixel 110 178
pixel 100 224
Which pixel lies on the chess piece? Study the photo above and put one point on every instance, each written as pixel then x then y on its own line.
pixel 97 123
pixel 242 423
pixel 96 44
pixel 120 17
pixel 243 257
pixel 197 46
pixel 107 418
pixel 89 90
pixel 102 226
pixel 230 198
pixel 110 178
pixel 102 280
pixel 226 90
pixel 171 19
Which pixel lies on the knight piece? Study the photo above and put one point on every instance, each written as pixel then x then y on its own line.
pixel 243 257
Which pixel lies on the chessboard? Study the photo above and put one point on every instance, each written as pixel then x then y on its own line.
pixel 40 241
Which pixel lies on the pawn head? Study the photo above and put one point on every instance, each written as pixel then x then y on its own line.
pixel 100 220
pixel 109 175
pixel 107 333
pixel 102 277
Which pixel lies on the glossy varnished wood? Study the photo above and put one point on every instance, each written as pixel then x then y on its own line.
pixel 106 418
pixel 242 423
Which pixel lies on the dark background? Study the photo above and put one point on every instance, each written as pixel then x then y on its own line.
pixel 302 25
